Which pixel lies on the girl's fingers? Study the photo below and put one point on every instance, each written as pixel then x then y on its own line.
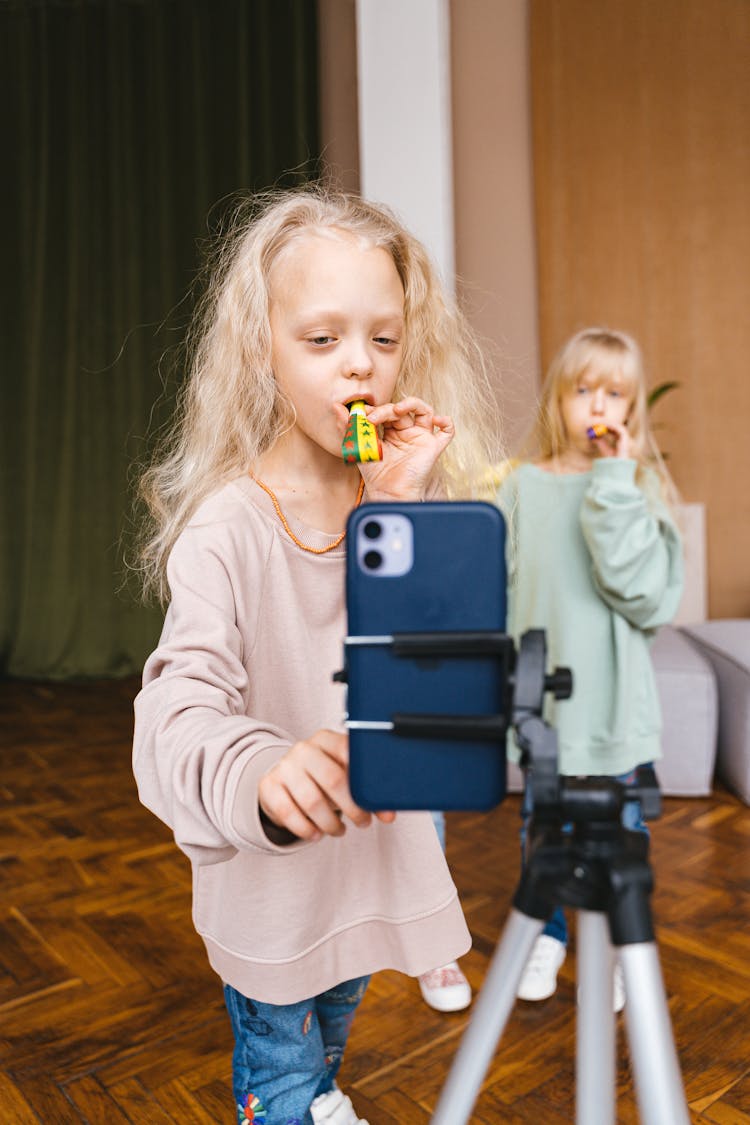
pixel 613 442
pixel 620 446
pixel 406 409
pixel 279 805
pixel 334 744
pixel 414 411
pixel 445 424
pixel 413 438
pixel 624 443
pixel 411 412
pixel 307 791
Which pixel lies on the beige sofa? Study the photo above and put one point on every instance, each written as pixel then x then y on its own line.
pixel 688 695
pixel 725 644
pixel 686 682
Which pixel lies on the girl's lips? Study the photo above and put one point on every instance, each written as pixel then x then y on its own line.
pixel 359 398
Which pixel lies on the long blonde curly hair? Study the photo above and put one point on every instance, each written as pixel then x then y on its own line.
pixel 230 409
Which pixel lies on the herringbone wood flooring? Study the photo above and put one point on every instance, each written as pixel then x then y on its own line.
pixel 110 1014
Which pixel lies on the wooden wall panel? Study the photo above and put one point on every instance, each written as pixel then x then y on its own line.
pixel 641 142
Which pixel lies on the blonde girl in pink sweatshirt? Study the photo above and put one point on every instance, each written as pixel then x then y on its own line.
pixel 315 299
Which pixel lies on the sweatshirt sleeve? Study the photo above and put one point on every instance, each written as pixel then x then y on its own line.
pixel 635 548
pixel 197 755
pixel 506 499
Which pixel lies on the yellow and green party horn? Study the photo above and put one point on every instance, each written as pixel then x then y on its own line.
pixel 361 441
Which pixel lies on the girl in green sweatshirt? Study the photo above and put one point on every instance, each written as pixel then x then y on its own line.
pixel 595 561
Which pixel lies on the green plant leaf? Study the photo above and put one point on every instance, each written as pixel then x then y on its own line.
pixel 659 391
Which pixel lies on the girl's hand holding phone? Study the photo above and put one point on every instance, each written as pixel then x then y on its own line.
pixel 307 791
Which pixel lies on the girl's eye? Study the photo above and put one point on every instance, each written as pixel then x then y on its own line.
pixel 386 340
pixel 582 390
pixel 615 394
pixel 320 341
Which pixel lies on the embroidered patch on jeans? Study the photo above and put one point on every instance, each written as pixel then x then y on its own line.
pixel 252 1113
pixel 252 1022
pixel 307 1023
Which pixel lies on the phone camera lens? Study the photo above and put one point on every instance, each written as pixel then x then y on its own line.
pixel 372 529
pixel 373 560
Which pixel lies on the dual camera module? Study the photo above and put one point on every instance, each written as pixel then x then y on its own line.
pixel 373 531
pixel 385 545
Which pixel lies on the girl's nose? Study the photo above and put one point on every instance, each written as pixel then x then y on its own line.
pixel 358 363
pixel 598 400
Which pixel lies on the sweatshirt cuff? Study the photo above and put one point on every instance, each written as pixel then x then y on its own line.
pixel 250 827
pixel 619 470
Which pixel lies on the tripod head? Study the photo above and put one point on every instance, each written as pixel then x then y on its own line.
pixel 526 684
pixel 537 740
pixel 575 800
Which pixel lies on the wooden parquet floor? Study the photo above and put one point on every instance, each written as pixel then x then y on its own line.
pixel 110 1014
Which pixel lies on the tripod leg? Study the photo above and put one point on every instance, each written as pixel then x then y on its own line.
pixel 491 1011
pixel 661 1097
pixel 595 1027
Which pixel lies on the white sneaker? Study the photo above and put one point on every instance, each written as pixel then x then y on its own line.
pixel 619 989
pixel 335 1108
pixel 539 979
pixel 445 989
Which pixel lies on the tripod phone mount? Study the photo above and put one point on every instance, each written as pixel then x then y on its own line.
pixel 580 855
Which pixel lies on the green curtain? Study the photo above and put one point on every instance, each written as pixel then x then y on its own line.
pixel 127 126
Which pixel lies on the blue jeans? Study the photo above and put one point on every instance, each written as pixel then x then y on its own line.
pixel 285 1055
pixel 632 818
pixel 438 819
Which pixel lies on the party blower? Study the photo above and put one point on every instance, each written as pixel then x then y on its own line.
pixel 361 441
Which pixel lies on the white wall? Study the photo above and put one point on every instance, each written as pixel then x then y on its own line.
pixel 405 152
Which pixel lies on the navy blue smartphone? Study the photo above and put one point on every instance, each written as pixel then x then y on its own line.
pixel 425 589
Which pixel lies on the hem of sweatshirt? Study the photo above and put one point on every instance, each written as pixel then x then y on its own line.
pixel 413 947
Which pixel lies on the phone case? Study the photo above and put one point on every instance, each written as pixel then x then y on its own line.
pixel 452 580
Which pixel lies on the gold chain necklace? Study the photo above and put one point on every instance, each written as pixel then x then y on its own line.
pixel 303 546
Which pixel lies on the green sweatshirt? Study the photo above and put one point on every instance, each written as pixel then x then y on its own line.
pixel 598 565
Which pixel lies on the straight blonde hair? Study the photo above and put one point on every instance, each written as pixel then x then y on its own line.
pixel 602 355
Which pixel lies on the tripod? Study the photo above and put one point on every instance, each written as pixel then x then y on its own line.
pixel 602 870
pixel 580 856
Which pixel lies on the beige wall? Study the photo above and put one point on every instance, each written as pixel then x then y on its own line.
pixel 337 62
pixel 642 161
pixel 495 251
